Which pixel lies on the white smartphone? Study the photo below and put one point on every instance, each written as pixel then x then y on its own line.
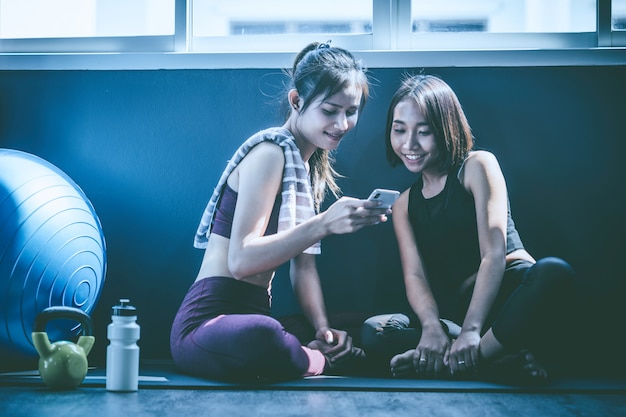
pixel 386 197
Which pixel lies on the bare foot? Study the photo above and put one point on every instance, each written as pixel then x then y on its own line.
pixel 402 364
pixel 349 364
pixel 522 367
pixel 531 365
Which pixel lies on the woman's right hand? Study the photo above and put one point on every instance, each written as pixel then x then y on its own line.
pixel 432 352
pixel 347 215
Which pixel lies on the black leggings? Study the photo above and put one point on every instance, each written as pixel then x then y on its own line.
pixel 532 302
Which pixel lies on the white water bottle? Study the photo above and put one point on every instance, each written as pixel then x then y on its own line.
pixel 122 361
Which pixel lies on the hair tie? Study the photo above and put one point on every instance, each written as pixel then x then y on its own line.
pixel 324 45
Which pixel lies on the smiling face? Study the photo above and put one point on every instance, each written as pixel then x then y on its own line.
pixel 412 138
pixel 445 137
pixel 325 121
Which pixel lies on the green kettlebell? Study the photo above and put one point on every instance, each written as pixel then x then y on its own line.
pixel 62 364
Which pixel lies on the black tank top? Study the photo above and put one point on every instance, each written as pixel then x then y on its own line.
pixel 446 233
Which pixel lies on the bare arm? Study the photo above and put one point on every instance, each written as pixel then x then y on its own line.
pixel 335 344
pixel 433 347
pixel 257 180
pixel 306 284
pixel 483 178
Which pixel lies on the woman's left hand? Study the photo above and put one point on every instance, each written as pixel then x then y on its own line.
pixel 464 352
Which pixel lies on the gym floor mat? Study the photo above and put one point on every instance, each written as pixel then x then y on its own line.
pixel 167 377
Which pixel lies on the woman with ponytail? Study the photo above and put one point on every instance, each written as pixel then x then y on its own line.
pixel 265 212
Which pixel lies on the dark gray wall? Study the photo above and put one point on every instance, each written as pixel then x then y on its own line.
pixel 148 146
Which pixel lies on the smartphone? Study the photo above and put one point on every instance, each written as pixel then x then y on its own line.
pixel 386 197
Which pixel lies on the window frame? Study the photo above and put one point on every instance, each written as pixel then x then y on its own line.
pixel 607 37
pixel 390 44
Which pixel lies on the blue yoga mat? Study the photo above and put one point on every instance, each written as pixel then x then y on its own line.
pixel 167 377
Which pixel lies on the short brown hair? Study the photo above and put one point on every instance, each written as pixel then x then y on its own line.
pixel 443 112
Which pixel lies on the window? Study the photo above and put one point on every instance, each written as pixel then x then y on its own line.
pixel 618 15
pixel 244 25
pixel 504 16
pixel 86 25
pixel 85 18
pixel 498 24
pixel 280 17
pixel 285 25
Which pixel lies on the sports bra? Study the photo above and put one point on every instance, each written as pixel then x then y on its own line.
pixel 225 210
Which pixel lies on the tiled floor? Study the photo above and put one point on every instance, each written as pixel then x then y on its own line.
pixel 97 402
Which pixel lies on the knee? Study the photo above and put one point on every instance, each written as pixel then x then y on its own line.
pixel 265 329
pixel 383 322
pixel 556 264
pixel 557 270
pixel 553 277
pixel 377 327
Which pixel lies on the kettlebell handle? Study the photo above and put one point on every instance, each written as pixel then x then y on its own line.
pixel 63 312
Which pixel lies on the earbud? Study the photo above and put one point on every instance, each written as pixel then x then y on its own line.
pixel 294 100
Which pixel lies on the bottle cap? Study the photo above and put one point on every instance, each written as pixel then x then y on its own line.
pixel 124 309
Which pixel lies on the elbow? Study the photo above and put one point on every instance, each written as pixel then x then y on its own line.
pixel 238 267
pixel 244 266
pixel 496 257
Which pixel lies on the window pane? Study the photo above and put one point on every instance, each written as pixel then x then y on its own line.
pixel 85 18
pixel 618 11
pixel 270 17
pixel 500 16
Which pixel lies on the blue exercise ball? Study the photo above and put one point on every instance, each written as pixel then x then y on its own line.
pixel 52 250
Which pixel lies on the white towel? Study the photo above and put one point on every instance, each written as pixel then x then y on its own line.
pixel 297 197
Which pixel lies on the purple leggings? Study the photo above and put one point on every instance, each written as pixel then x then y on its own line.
pixel 223 331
